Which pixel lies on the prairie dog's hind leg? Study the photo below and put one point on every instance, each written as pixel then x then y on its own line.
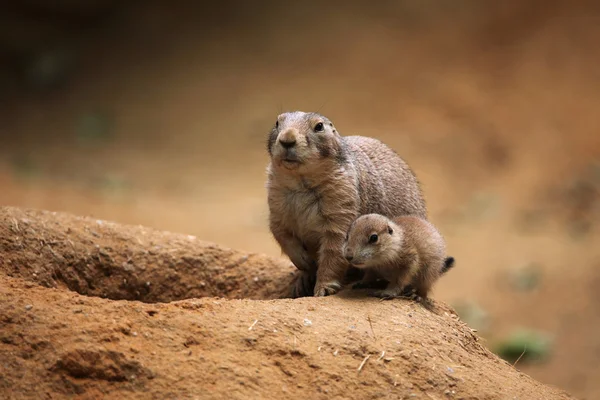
pixel 423 284
pixel 304 284
pixel 399 281
pixel 392 291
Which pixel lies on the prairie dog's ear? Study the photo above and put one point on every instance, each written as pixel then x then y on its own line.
pixel 390 230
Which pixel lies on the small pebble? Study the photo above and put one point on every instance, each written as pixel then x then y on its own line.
pixel 307 322
pixel 28 307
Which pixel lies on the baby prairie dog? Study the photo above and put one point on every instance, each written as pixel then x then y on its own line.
pixel 319 182
pixel 404 250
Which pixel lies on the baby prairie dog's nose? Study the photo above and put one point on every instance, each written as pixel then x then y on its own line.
pixel 288 138
pixel 349 256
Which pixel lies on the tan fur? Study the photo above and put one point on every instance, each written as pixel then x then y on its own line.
pixel 321 182
pixel 408 251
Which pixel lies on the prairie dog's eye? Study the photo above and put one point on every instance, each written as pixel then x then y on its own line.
pixel 373 238
pixel 319 127
pixel 390 230
pixel 277 124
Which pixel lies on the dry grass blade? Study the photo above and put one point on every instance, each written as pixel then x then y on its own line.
pixel 523 353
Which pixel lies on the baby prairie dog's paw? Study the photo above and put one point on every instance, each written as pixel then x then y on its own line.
pixel 327 288
pixel 389 293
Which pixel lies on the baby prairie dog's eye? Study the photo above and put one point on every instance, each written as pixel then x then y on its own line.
pixel 373 238
pixel 277 124
pixel 319 127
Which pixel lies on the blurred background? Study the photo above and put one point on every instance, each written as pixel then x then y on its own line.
pixel 156 113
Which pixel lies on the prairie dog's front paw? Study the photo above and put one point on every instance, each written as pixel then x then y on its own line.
pixel 390 293
pixel 327 288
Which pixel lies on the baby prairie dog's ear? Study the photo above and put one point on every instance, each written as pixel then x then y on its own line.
pixel 390 230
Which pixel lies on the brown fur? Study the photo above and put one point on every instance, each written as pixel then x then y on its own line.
pixel 407 251
pixel 319 182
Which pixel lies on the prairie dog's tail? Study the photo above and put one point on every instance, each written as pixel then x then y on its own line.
pixel 448 264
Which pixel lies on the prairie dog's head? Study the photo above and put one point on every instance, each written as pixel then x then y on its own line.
pixel 301 141
pixel 372 240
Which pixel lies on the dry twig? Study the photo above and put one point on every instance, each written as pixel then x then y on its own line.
pixel 371 324
pixel 252 326
pixel 362 364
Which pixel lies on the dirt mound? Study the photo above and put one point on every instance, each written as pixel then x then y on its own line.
pixel 58 343
pixel 100 258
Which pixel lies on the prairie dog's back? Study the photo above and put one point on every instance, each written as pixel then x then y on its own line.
pixel 421 234
pixel 382 175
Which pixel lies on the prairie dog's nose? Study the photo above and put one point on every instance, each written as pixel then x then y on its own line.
pixel 349 257
pixel 287 139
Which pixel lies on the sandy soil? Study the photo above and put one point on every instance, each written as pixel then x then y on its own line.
pixel 58 338
pixel 494 104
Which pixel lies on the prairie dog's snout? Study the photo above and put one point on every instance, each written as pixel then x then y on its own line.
pixel 347 251
pixel 288 138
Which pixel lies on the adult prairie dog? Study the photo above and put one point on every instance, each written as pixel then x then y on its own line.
pixel 404 250
pixel 319 182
